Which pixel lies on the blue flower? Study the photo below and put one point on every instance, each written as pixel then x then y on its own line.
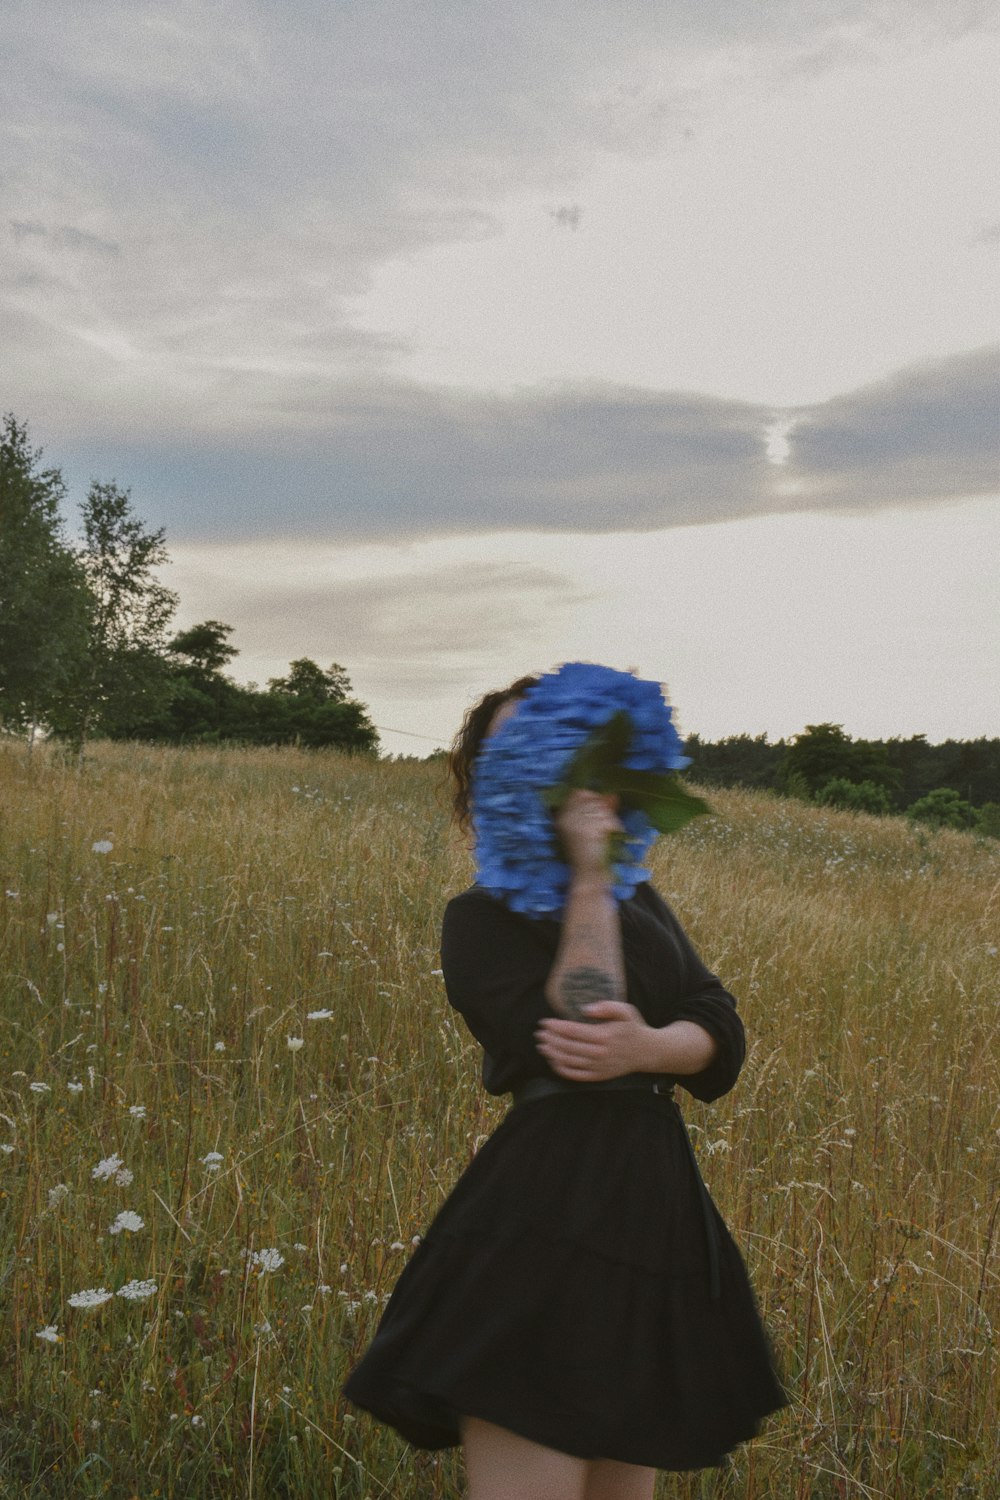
pixel 517 851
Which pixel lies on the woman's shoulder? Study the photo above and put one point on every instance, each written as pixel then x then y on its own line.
pixel 646 898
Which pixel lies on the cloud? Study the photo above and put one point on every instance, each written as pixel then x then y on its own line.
pixel 568 216
pixel 395 462
pixel 401 629
pixel 63 237
pixel 237 172
pixel 929 432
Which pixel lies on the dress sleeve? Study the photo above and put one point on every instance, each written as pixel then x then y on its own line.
pixel 495 971
pixel 704 1000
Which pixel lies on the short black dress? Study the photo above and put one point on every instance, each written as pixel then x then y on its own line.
pixel 578 1286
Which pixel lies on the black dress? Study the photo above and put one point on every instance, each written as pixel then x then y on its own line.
pixel 578 1286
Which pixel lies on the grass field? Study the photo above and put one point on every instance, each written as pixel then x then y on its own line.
pixel 232 1094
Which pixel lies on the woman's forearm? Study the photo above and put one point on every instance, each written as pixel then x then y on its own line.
pixel 589 965
pixel 682 1047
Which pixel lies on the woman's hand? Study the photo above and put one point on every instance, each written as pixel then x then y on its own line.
pixel 586 822
pixel 613 1040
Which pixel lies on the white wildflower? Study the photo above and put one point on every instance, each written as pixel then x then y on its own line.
pixel 102 846
pixel 137 1111
pixel 40 1088
pixel 220 1046
pixel 319 1015
pixel 57 1194
pixel 397 1245
pixel 212 1160
pixel 267 1260
pixel 123 1177
pixel 107 1168
pixel 6 1148
pixel 295 1042
pixel 197 1421
pixel 127 1220
pixel 75 1087
pixel 93 1297
pixel 52 918
pixel 137 1291
pixel 50 1334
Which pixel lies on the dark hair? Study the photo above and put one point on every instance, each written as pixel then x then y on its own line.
pixel 465 746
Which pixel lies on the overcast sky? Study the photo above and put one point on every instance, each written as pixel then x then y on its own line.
pixel 449 341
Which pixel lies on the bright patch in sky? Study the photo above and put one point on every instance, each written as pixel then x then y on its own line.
pixel 793 238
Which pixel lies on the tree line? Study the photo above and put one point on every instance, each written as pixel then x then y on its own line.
pixel 955 784
pixel 85 642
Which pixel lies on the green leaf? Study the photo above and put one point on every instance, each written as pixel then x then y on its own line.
pixel 659 795
pixel 601 753
pixel 597 766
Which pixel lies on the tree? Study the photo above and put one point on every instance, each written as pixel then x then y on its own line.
pixel 988 820
pixel 736 760
pixel 943 808
pixel 823 753
pixel 124 672
pixel 43 593
pixel 311 684
pixel 854 796
pixel 206 647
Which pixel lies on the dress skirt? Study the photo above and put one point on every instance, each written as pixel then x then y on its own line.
pixel 568 1291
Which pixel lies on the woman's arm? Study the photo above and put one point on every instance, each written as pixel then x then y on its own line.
pixel 589 966
pixel 622 1043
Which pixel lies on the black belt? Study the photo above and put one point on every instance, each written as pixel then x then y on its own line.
pixel 539 1088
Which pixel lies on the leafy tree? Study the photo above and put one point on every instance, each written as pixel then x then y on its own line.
pixel 43 594
pixel 988 819
pixel 736 760
pixel 854 796
pixel 206 647
pixel 125 672
pixel 823 753
pixel 943 808
pixel 311 684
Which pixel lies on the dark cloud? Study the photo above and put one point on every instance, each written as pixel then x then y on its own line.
pixel 929 432
pixel 568 216
pixel 406 462
pixel 63 237
pixel 409 462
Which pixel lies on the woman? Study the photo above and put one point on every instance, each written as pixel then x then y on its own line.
pixel 577 1316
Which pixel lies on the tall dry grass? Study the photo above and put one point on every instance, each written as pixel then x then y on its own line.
pixel 148 995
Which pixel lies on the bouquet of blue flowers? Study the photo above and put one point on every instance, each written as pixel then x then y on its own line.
pixel 581 726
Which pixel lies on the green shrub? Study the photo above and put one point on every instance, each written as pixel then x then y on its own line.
pixel 854 796
pixel 943 808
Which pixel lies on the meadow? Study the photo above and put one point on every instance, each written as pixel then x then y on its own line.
pixel 232 1096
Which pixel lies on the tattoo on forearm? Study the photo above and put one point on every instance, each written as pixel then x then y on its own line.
pixel 581 988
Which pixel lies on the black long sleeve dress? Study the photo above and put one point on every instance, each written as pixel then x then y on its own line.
pixel 578 1286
